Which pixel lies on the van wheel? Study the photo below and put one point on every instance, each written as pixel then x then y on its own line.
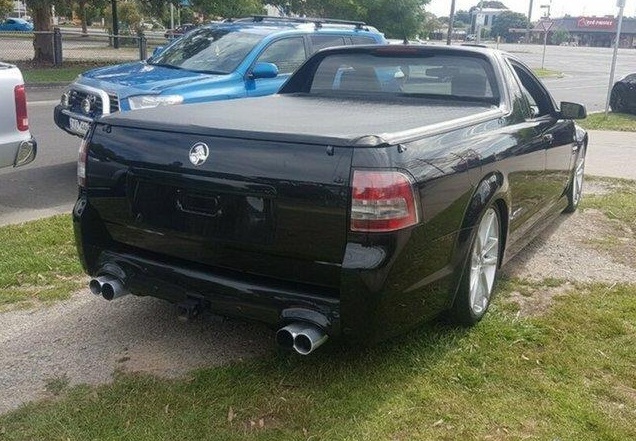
pixel 480 274
pixel 575 189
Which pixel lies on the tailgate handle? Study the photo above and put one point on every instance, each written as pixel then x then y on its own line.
pixel 208 206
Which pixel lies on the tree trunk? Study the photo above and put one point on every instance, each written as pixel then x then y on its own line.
pixel 82 13
pixel 43 38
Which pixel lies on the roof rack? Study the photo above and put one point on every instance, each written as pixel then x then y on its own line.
pixel 318 22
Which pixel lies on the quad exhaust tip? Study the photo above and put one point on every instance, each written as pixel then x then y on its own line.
pixel 109 287
pixel 304 338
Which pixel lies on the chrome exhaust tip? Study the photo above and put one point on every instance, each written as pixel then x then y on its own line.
pixel 304 338
pixel 96 285
pixel 285 336
pixel 113 289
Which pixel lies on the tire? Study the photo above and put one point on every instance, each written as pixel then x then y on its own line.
pixel 617 99
pixel 480 274
pixel 575 189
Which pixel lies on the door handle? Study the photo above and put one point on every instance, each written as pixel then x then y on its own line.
pixel 548 138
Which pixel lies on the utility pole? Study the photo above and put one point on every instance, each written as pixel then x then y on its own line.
pixel 529 23
pixel 113 5
pixel 621 6
pixel 451 21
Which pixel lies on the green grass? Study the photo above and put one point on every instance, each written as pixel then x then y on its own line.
pixel 38 74
pixel 618 203
pixel 614 121
pixel 547 73
pixel 567 375
pixel 38 262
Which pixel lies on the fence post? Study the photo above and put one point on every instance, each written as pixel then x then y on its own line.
pixel 57 47
pixel 143 45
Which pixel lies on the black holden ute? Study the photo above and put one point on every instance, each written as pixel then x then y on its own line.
pixel 381 187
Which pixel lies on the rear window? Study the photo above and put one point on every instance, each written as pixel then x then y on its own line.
pixel 425 74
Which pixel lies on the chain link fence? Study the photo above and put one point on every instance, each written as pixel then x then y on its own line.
pixel 78 47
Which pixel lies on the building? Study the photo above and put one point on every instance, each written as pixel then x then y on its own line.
pixel 590 31
pixel 489 16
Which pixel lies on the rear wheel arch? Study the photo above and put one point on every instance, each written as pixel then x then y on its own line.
pixel 491 192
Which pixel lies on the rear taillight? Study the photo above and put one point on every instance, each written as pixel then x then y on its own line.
pixel 382 201
pixel 81 163
pixel 22 120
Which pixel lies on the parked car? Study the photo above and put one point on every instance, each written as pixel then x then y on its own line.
pixel 179 31
pixel 246 58
pixel 381 187
pixel 623 96
pixel 17 146
pixel 16 25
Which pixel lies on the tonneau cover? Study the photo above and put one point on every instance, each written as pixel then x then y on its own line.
pixel 312 119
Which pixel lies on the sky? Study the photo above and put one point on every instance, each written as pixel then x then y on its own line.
pixel 559 8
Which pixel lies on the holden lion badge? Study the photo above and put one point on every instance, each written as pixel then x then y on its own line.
pixel 199 153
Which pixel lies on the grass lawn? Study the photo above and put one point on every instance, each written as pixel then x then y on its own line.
pixel 34 74
pixel 547 73
pixel 566 374
pixel 38 263
pixel 614 121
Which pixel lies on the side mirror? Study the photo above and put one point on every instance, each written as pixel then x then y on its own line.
pixel 573 111
pixel 157 51
pixel 264 70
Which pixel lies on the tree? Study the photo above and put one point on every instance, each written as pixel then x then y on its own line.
pixel 43 37
pixel 559 36
pixel 508 20
pixel 85 10
pixel 396 18
pixel 463 17
pixel 6 6
pixel 228 8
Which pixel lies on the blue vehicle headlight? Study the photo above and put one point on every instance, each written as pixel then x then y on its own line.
pixel 149 101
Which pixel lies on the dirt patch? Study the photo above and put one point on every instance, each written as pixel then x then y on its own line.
pixel 584 247
pixel 539 300
pixel 574 249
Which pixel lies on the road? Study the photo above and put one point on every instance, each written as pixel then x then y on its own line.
pixel 47 186
pixel 586 70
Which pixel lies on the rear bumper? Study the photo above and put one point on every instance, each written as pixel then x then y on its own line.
pixel 18 153
pixel 377 297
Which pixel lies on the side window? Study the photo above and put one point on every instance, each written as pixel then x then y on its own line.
pixel 323 41
pixel 288 54
pixel 358 39
pixel 536 94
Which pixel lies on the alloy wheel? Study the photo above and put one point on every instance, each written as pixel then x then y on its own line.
pixel 484 261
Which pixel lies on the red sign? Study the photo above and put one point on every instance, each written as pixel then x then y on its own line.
pixel 596 23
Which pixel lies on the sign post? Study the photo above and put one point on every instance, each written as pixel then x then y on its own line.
pixel 621 6
pixel 546 25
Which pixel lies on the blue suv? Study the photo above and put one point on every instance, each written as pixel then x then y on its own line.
pixel 242 58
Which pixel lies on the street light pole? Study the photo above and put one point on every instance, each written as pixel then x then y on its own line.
pixel 621 5
pixel 451 21
pixel 478 22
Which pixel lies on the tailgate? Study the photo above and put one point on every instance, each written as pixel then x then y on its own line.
pixel 265 208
